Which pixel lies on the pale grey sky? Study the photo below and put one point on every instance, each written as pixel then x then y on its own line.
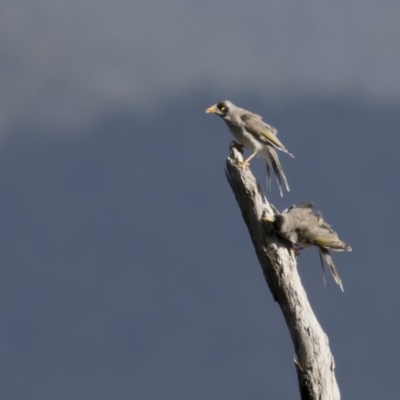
pixel 65 62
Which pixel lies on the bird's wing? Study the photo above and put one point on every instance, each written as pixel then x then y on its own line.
pixel 324 224
pixel 249 114
pixel 260 129
pixel 328 239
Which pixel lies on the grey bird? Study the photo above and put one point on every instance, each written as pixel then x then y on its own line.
pixel 252 132
pixel 303 227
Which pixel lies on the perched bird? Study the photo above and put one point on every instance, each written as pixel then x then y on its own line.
pixel 303 227
pixel 252 132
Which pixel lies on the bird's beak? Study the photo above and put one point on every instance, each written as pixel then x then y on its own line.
pixel 211 110
pixel 269 218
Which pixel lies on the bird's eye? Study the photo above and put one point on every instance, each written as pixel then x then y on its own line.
pixel 221 107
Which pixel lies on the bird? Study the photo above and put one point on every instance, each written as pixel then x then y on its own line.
pixel 253 133
pixel 304 228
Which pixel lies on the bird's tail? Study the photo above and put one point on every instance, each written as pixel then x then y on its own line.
pixel 272 160
pixel 324 253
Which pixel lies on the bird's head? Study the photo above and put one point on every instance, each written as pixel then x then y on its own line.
pixel 222 108
pixel 276 220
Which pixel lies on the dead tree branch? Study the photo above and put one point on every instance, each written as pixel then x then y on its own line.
pixel 314 364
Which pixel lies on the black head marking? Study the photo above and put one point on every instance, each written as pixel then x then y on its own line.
pixel 222 107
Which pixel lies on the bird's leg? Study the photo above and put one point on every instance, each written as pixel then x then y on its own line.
pixel 246 163
pixel 296 250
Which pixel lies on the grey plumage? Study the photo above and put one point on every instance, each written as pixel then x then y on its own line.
pixel 303 227
pixel 252 132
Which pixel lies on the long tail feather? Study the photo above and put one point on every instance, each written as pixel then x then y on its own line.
pixel 328 259
pixel 287 152
pixel 323 267
pixel 267 165
pixel 273 160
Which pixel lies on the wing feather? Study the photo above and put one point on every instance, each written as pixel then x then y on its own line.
pixel 264 132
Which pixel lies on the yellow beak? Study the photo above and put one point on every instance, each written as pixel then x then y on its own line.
pixel 269 218
pixel 211 110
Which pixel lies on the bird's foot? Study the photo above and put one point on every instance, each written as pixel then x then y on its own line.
pixel 242 164
pixel 296 250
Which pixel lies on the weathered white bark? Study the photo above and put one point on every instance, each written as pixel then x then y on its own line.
pixel 314 364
